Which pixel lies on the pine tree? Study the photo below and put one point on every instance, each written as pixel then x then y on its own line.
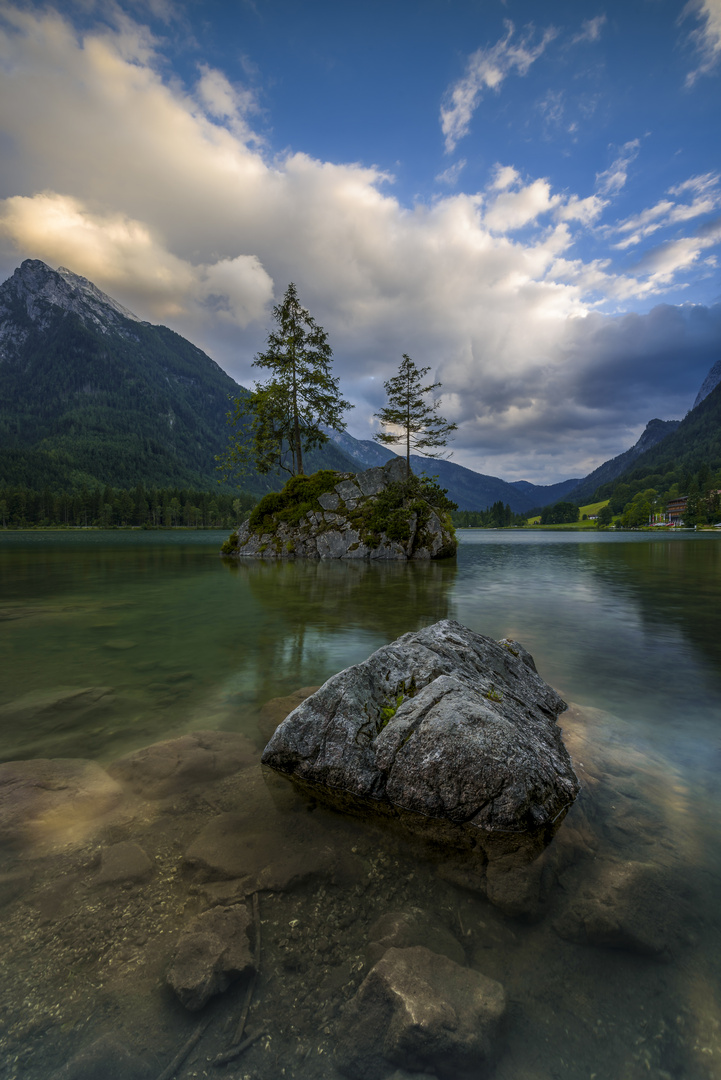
pixel 421 428
pixel 288 411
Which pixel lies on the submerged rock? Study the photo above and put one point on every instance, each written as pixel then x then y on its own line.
pixel 621 905
pixel 403 929
pixel 421 1011
pixel 125 861
pixel 47 797
pixel 213 952
pixel 171 767
pixel 451 732
pixel 108 1058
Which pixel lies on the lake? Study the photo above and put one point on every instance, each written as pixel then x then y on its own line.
pixel 110 642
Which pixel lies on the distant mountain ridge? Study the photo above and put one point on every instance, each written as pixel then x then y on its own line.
pixel 694 444
pixel 470 489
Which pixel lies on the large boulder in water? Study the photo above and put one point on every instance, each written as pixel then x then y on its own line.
pixel 446 729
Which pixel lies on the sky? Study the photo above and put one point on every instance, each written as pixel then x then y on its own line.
pixel 523 197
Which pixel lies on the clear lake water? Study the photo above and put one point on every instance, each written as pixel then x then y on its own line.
pixel 111 642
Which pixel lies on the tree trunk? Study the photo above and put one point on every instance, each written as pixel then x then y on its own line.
pixel 298 455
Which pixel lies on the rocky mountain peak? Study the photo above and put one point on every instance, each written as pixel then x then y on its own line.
pixel 710 383
pixel 34 295
pixel 37 285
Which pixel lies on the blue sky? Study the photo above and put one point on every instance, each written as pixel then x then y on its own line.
pixel 525 197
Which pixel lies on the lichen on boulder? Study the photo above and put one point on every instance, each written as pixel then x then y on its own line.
pixel 377 514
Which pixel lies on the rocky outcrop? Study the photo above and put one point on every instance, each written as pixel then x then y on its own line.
pixel 422 1011
pixel 340 523
pixel 447 730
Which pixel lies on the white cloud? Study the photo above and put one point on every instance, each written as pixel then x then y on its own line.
pixel 505 176
pixel 696 184
pixel 590 30
pixel 661 264
pixel 228 103
pixel 584 210
pixel 612 179
pixel 450 175
pixel 666 212
pixel 486 69
pixel 512 210
pixel 706 37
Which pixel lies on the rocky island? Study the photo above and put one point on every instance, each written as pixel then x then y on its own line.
pixel 377 514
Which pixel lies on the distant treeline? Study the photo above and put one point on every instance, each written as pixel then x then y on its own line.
pixel 108 508
pixel 497 516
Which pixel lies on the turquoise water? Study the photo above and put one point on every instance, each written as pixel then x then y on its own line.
pixel 626 626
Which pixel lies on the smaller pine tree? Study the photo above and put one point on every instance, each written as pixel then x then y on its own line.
pixel 420 426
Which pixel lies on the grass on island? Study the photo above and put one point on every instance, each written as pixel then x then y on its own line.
pixel 591 508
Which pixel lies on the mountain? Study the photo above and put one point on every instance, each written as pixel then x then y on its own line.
pixel 693 445
pixel 90 394
pixel 710 383
pixel 654 433
pixel 365 451
pixel 470 489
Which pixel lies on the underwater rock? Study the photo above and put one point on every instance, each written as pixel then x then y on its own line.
pixel 517 890
pixel 230 847
pixel 45 797
pixel 125 861
pixel 71 704
pixel 276 710
pixel 421 1011
pixel 621 905
pixel 171 767
pixel 403 929
pixel 446 730
pixel 108 1058
pixel 212 953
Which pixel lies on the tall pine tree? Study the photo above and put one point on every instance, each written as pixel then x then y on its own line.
pixel 420 427
pixel 288 411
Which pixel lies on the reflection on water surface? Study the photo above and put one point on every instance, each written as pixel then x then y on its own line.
pixel 112 642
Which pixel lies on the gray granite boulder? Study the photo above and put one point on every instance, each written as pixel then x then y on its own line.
pixel 421 1011
pixel 214 950
pixel 447 730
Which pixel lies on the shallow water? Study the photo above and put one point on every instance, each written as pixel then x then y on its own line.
pixel 625 626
